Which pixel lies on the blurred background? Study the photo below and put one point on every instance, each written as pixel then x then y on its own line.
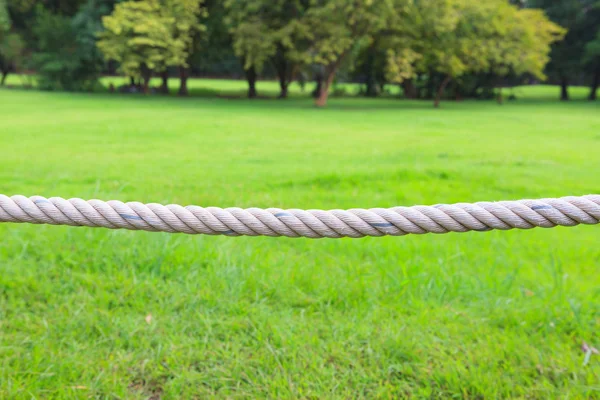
pixel 416 49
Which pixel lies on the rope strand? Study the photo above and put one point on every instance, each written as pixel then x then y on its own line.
pixel 355 223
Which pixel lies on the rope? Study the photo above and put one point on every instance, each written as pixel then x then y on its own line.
pixel 395 221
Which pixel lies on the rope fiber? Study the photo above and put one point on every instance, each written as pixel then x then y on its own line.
pixel 355 223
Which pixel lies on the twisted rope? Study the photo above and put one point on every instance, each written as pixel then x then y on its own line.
pixel 395 221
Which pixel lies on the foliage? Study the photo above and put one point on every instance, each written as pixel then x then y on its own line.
pixel 62 7
pixel 61 61
pixel 87 24
pixel 401 64
pixel 11 54
pixel 4 18
pixel 569 57
pixel 213 54
pixel 569 14
pixel 430 42
pixel 187 15
pixel 459 37
pixel 591 56
pixel 11 45
pixel 150 35
pixel 523 43
pixel 140 38
pixel 253 40
pixel 269 32
pixel 592 50
pixel 479 36
pixel 336 27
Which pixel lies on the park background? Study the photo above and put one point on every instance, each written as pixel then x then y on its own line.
pixel 312 104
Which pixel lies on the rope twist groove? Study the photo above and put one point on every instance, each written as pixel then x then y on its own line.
pixel 355 223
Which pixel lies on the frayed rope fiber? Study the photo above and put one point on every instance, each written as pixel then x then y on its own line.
pixel 355 223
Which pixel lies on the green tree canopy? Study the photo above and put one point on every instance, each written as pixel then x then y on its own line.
pixel 268 31
pixel 581 18
pixel 458 37
pixel 335 27
pixel 4 17
pixel 11 44
pixel 150 35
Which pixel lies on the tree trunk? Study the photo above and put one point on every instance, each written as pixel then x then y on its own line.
pixel 430 86
pixel 283 75
pixel 131 81
pixel 183 78
pixel 284 72
pixel 251 78
pixel 564 88
pixel 409 89
pixel 146 85
pixel 283 94
pixel 497 82
pixel 440 92
pixel 321 100
pixel 371 87
pixel 146 75
pixel 595 84
pixel 370 73
pixel 319 82
pixel 369 70
pixel 3 80
pixel 164 88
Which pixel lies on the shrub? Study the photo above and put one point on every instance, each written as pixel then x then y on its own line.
pixel 65 58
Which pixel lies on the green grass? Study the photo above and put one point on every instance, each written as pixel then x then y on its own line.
pixel 475 315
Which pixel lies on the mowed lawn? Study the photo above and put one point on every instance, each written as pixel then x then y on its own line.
pixel 92 313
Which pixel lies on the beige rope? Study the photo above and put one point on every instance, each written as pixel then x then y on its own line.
pixel 396 221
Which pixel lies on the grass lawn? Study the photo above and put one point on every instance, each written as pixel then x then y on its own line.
pixel 91 313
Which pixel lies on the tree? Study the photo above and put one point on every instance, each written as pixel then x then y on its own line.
pixel 369 65
pixel 213 51
pixel 87 24
pixel 334 27
pixel 568 54
pixel 24 12
pixel 60 58
pixel 448 39
pixel 187 14
pixel 4 17
pixel 591 56
pixel 521 43
pixel 11 50
pixel 268 31
pixel 150 36
pixel 403 47
pixel 11 45
pixel 253 42
pixel 140 38
pixel 62 7
pixel 452 38
pixel 592 60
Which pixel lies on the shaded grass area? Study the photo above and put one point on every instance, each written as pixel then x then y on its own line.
pixel 238 89
pixel 135 315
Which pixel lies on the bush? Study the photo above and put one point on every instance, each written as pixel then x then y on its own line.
pixel 65 58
